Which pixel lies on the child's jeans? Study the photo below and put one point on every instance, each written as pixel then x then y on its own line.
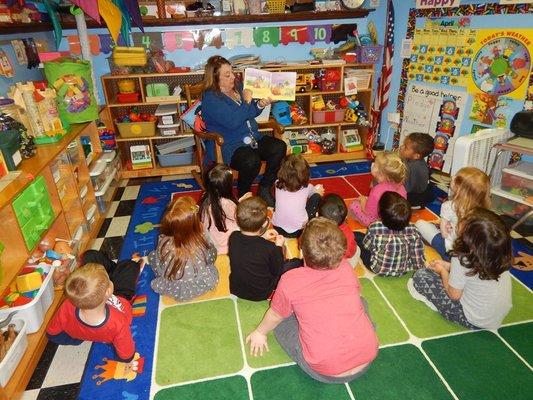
pixel 124 275
pixel 431 234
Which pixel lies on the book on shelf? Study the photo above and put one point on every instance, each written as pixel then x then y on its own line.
pixel 274 85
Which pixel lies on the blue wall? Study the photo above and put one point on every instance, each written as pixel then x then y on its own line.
pixel 401 16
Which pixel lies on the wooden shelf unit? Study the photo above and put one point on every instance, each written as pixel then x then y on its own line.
pixel 50 160
pixel 69 22
pixel 116 109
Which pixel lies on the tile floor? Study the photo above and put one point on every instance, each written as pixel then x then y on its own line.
pixel 58 373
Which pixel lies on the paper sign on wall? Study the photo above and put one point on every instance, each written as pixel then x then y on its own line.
pixel 436 3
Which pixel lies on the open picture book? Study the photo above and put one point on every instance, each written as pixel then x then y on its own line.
pixel 274 85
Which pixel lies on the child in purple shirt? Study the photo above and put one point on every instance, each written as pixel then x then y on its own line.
pixel 389 172
pixel 297 200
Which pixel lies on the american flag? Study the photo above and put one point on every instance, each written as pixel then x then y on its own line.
pixel 382 93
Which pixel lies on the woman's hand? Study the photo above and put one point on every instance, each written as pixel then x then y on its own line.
pixel 264 102
pixel 247 95
pixel 258 343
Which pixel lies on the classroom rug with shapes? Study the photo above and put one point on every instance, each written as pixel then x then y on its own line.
pixel 196 350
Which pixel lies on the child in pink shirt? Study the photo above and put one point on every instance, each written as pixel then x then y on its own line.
pixel 317 314
pixel 296 199
pixel 389 172
pixel 218 206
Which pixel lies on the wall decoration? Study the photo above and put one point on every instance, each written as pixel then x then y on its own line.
pixel 292 34
pixel 460 11
pixel 239 37
pixel 502 62
pixel 147 39
pixel 318 33
pixel 437 112
pixel 178 40
pixel 490 110
pixel 436 3
pixel 453 22
pixel 266 35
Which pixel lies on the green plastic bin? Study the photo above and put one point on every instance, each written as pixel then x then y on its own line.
pixel 10 147
pixel 34 212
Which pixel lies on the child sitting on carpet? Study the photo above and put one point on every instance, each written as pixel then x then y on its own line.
pixel 218 206
pixel 334 208
pixel 389 172
pixel 97 306
pixel 184 259
pixel 255 253
pixel 474 289
pixel 296 199
pixel 316 312
pixel 469 188
pixel 414 149
pixel 392 246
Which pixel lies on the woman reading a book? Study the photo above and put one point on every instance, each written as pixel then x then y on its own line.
pixel 230 111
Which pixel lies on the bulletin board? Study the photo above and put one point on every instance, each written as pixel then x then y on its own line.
pixel 492 66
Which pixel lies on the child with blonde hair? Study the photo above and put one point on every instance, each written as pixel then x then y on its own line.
pixel 93 312
pixel 389 173
pixel 469 188
pixel 184 259
pixel 297 200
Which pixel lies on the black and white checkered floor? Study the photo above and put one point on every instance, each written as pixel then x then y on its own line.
pixel 59 372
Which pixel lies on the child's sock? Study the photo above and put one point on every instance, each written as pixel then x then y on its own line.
pixel 427 230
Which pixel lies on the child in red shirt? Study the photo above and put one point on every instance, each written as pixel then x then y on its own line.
pixel 91 310
pixel 317 314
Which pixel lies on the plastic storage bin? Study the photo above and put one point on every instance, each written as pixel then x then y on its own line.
pixel 136 129
pixel 327 116
pixel 167 114
pixel 16 351
pixel 177 152
pixel 33 211
pixel 34 312
pixel 505 203
pixel 105 194
pixel 169 130
pixel 91 216
pixel 518 179
pixel 97 174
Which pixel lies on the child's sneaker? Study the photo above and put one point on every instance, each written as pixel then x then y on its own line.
pixel 418 296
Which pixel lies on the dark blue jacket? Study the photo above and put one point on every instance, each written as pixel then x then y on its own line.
pixel 226 117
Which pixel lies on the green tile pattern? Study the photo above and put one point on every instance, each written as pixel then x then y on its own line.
pixel 519 338
pixel 400 372
pixel 478 365
pixel 291 383
pixel 233 388
pixel 198 340
pixel 250 315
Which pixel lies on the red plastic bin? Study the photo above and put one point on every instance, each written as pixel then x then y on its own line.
pixel 327 116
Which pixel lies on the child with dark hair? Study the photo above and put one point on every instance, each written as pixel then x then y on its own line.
pixel 334 208
pixel 414 149
pixel 474 289
pixel 317 314
pixel 296 199
pixel 218 206
pixel 256 253
pixel 392 246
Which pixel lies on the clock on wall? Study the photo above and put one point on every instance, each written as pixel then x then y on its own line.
pixel 352 4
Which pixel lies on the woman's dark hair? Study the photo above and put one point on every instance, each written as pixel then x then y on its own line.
pixel 483 244
pixel 293 173
pixel 218 184
pixel 394 211
pixel 333 207
pixel 211 73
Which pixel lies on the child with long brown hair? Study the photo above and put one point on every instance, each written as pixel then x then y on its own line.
pixel 469 188
pixel 389 173
pixel 184 260
pixel 474 289
pixel 297 200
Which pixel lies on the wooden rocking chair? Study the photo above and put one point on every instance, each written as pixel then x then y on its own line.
pixel 194 92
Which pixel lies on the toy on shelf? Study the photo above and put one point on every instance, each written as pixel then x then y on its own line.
pixel 328 142
pixel 141 157
pixel 317 102
pixel 298 114
pixel 107 137
pixel 127 92
pixel 350 140
pixel 305 82
pixel 282 113
pixel 7 337
pixel 133 115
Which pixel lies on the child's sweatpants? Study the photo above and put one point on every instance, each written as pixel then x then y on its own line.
pixel 123 274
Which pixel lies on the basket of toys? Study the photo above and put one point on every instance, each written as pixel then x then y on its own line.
pixel 276 6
